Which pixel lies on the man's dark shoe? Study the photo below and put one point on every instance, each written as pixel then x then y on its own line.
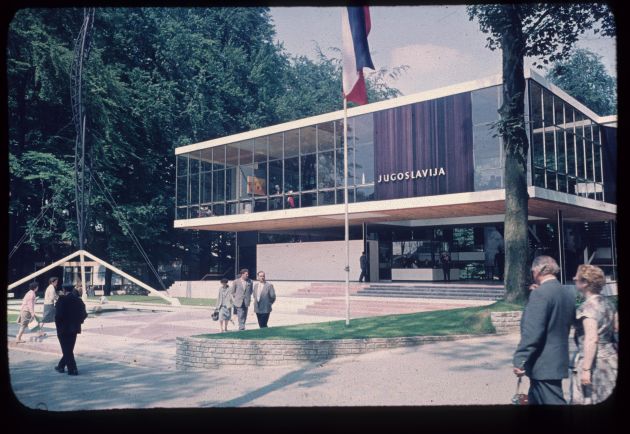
pixel 60 370
pixel 73 372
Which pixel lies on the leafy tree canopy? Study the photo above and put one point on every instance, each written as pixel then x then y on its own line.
pixel 584 76
pixel 155 79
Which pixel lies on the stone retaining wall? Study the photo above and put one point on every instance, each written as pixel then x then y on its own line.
pixel 200 353
pixel 506 322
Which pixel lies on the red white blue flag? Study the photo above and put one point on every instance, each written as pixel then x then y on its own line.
pixel 355 27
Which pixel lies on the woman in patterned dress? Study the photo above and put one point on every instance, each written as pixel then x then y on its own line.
pixel 595 372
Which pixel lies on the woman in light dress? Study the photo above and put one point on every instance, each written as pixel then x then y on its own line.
pixel 595 370
pixel 224 305
pixel 27 310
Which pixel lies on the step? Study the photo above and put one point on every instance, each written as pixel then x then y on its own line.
pixel 445 296
pixel 427 293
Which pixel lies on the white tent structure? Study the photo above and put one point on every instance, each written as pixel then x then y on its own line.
pixel 82 253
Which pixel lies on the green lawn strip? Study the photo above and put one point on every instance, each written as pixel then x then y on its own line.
pixel 152 299
pixel 469 320
pixel 12 317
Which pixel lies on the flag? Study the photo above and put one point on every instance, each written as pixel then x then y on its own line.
pixel 355 27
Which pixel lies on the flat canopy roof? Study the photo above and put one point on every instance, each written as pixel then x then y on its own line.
pixel 543 204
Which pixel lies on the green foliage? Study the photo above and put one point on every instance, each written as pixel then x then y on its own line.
pixel 155 79
pixel 549 31
pixel 584 77
pixel 470 320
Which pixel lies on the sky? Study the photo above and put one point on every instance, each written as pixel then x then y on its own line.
pixel 440 44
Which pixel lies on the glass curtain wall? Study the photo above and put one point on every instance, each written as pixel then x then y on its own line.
pixel 487 150
pixel 565 146
pixel 292 169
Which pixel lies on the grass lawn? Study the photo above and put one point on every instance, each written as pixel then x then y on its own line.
pixel 469 320
pixel 153 299
pixel 12 317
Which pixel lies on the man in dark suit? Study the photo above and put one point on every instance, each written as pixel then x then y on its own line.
pixel 264 297
pixel 242 293
pixel 543 352
pixel 70 314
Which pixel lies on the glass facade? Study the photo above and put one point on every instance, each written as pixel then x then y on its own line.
pixel 294 169
pixel 566 146
pixel 304 167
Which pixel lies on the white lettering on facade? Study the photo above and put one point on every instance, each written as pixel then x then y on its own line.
pixel 419 173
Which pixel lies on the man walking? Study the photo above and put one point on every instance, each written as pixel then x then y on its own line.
pixel 363 262
pixel 264 297
pixel 242 293
pixel 70 314
pixel 543 352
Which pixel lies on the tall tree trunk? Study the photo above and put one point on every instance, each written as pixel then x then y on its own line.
pixel 516 147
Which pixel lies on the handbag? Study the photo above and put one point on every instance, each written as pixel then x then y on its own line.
pixel 519 398
pixel 33 324
pixel 215 315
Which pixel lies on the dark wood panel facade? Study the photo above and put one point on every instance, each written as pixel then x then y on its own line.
pixel 426 147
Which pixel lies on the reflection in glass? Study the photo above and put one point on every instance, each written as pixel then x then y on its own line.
pixel 218 186
pixel 231 184
pixel 275 177
pixel 309 172
pixel 275 146
pixel 551 180
pixel 536 104
pixel 308 199
pixel 326 197
pixel 291 174
pixel 308 140
pixel 276 203
pixel 365 193
pixel 325 136
pixel 260 205
pixel 340 195
pixel 260 149
pixel 291 143
pixel 206 187
pixel 218 156
pixel 231 155
pixel 537 150
pixel 485 105
pixel 570 143
pixel 246 152
pixel 539 177
pixel 588 147
pixel 560 148
pixel 326 168
pixel 550 154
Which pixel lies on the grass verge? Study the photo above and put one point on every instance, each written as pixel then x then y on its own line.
pixel 469 320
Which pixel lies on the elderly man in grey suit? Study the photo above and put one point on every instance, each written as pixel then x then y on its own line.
pixel 242 293
pixel 264 297
pixel 543 352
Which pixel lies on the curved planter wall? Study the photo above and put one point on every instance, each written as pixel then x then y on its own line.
pixel 200 353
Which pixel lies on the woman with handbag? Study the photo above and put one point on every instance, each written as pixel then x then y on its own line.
pixel 225 302
pixel 595 372
pixel 27 311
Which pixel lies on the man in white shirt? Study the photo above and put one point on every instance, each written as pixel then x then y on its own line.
pixel 50 298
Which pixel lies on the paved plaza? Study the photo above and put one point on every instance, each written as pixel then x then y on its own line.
pixel 126 360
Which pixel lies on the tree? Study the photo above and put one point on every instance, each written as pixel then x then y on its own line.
pixel 547 32
pixel 156 79
pixel 584 76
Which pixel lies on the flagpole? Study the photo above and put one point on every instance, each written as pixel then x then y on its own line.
pixel 345 202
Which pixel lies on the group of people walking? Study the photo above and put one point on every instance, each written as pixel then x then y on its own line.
pixel 235 299
pixel 68 312
pixel 543 351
